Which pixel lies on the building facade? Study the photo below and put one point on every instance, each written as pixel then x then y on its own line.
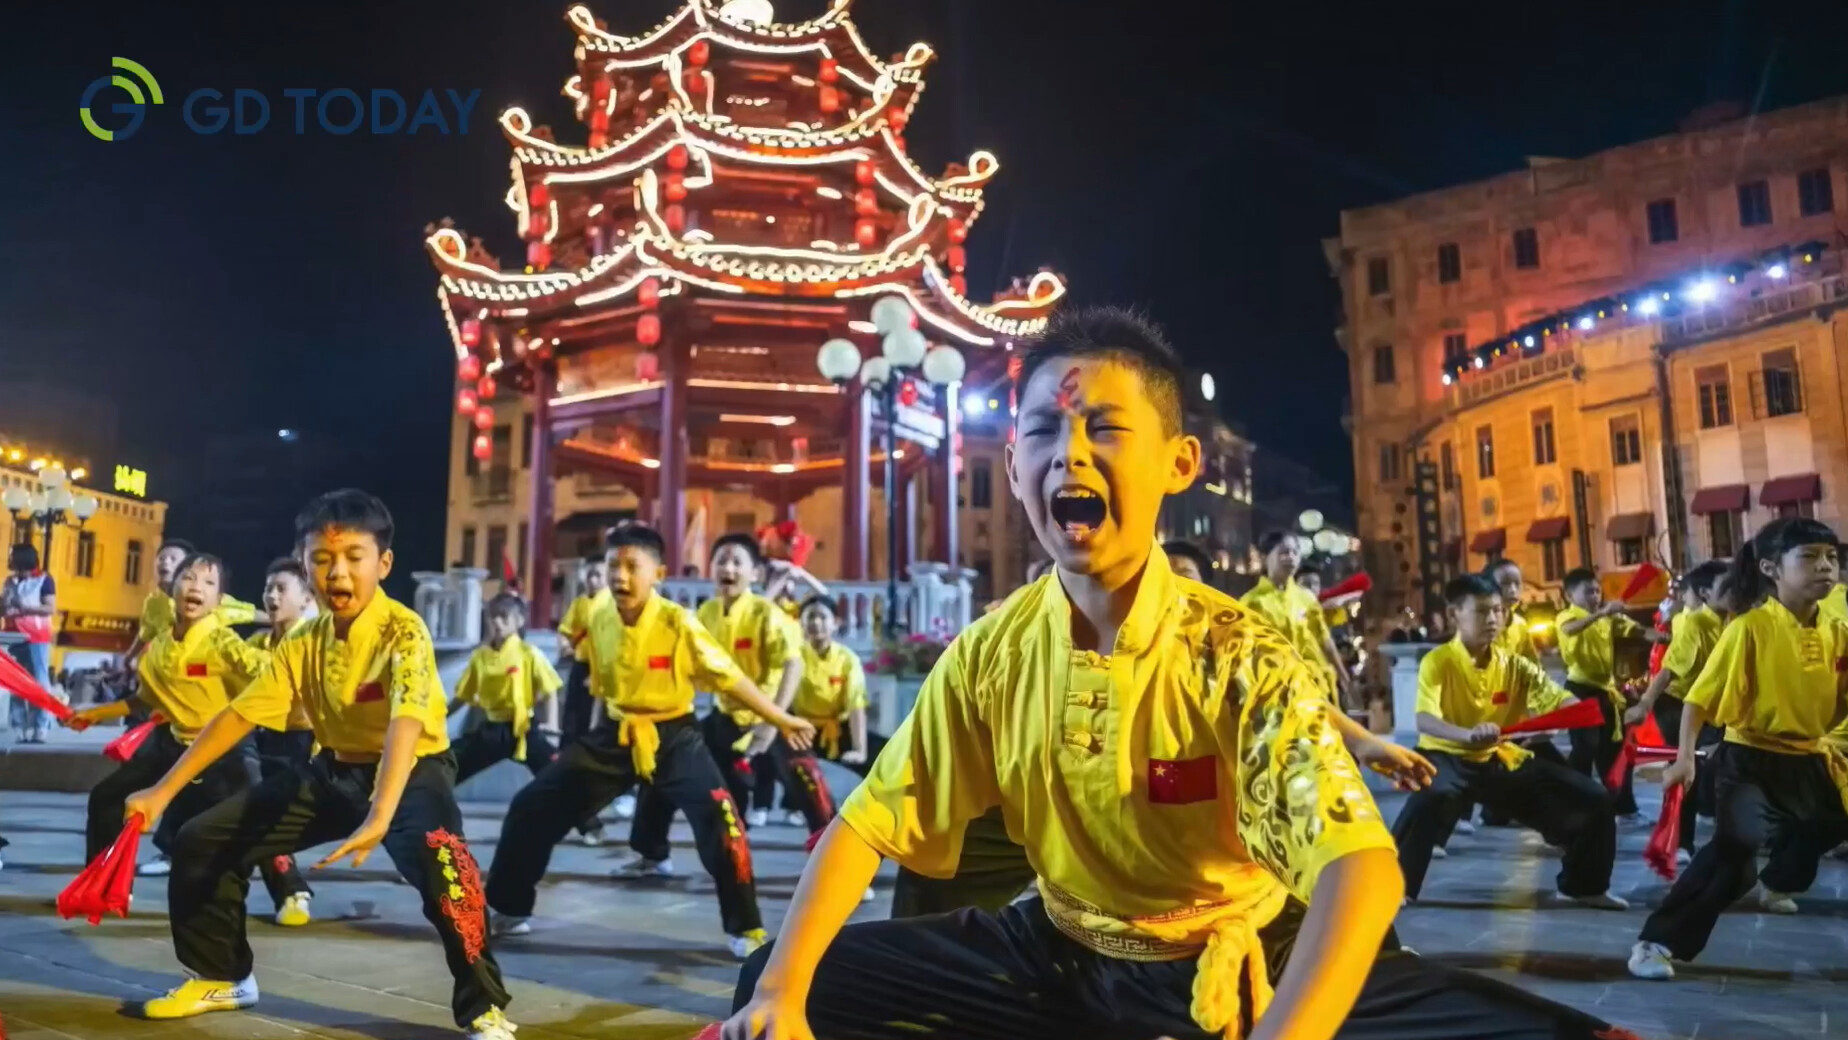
pixel 1627 358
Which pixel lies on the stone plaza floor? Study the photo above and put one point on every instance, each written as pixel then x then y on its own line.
pixel 612 960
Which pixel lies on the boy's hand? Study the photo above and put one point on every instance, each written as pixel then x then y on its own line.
pixel 1611 609
pixel 769 1017
pixel 150 803
pixel 1485 735
pixel 1680 773
pixel 853 757
pixel 359 844
pixel 1633 715
pixel 81 720
pixel 1407 769
pixel 798 733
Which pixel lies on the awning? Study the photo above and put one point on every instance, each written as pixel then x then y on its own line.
pixel 1782 491
pixel 1493 540
pixel 1551 529
pixel 1625 527
pixel 1728 498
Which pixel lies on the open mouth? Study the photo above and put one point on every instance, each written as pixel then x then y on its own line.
pixel 1077 511
pixel 194 602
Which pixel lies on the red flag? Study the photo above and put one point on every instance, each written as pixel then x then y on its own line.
pixel 1639 581
pixel 24 686
pixel 1184 781
pixel 1358 583
pixel 123 747
pixel 106 885
pixel 509 576
pixel 1575 716
pixel 1666 838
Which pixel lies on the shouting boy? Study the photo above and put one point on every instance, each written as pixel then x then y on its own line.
pixel 1588 631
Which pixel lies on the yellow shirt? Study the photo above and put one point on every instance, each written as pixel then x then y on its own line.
pixel 760 637
pixel 1591 654
pixel 266 641
pixel 1517 637
pixel 502 682
pixel 353 688
pixel 157 614
pixel 1169 795
pixel 1692 636
pixel 1504 691
pixel 833 687
pixel 572 626
pixel 1837 601
pixel 1774 683
pixel 192 678
pixel 1295 612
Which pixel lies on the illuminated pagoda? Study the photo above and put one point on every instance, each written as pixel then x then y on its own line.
pixel 743 196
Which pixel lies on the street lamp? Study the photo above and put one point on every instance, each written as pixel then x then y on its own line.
pixel 51 505
pixel 904 355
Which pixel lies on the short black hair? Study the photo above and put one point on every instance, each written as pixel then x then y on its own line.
pixel 743 541
pixel 820 601
pixel 184 546
pixel 1495 566
pixel 202 559
pixel 1272 539
pixel 1702 576
pixel 1181 547
pixel 1114 334
pixel 638 536
pixel 22 557
pixel 1579 576
pixel 505 604
pixel 287 565
pixel 1463 586
pixel 348 508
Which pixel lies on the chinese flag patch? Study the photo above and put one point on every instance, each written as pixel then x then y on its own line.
pixel 1501 697
pixel 1185 781
pixel 660 664
pixel 513 669
pixel 369 692
pixel 742 644
pixel 195 670
pixel 1841 664
pixel 834 680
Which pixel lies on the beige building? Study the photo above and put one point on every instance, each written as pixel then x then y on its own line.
pixel 1624 358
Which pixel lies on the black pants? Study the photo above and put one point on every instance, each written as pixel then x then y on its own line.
pixel 492 743
pixel 764 772
pixel 1758 795
pixel 1699 801
pixel 1498 816
pixel 1011 975
pixel 233 773
pixel 1595 748
pixel 595 771
pixel 992 873
pixel 1568 808
pixel 325 801
pixel 580 707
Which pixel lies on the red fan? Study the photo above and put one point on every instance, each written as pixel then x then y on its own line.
pixel 25 687
pixel 106 885
pixel 1645 741
pixel 1584 714
pixel 1358 583
pixel 1641 580
pixel 1648 734
pixel 1666 838
pixel 711 1032
pixel 124 747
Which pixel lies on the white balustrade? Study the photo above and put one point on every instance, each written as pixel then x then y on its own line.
pixel 450 604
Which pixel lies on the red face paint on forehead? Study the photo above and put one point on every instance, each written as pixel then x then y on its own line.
pixel 1068 388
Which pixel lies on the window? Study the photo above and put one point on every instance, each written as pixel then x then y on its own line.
pixel 1626 441
pixel 1545 452
pixel 1553 559
pixel 1526 248
pixel 1629 552
pixel 131 570
pixel 86 554
pixel 500 471
pixel 981 485
pixel 1485 451
pixel 1714 388
pixel 1783 385
pixel 1663 227
pixel 1447 466
pixel 1815 192
pixel 519 547
pixel 1449 263
pixel 1379 277
pixel 470 464
pixel 526 440
pixel 1382 364
pixel 1754 204
pixel 1725 531
pixel 1806 510
pixel 1390 462
pixel 497 551
pixel 468 547
pixel 740 523
pixel 1456 348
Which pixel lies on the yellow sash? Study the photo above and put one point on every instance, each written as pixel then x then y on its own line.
pixel 828 736
pixel 636 730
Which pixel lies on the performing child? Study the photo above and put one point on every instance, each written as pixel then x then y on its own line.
pixel 647 656
pixel 1294 610
pixel 1188 560
pixel 1693 632
pixel 1468 690
pixel 1170 765
pixel 1588 630
pixel 1777 680
pixel 157 609
pixel 1517 638
pixel 365 673
pixel 579 704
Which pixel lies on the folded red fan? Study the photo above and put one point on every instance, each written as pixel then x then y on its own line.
pixel 124 747
pixel 1648 734
pixel 106 885
pixel 1666 838
pixel 1639 581
pixel 1573 716
pixel 1360 582
pixel 22 685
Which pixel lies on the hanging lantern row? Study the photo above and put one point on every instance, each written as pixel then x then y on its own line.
pixel 648 329
pixel 600 111
pixel 1667 298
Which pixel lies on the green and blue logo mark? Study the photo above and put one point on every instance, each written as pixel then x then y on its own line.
pixel 136 108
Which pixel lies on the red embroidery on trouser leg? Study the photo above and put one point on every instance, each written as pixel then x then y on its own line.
pixel 736 845
pixel 283 864
pixel 810 772
pixel 461 899
pixel 1615 1033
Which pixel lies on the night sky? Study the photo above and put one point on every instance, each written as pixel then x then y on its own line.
pixel 1184 158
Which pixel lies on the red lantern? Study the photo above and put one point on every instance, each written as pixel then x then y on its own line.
pixel 466 401
pixel 828 99
pixel 959 232
pixel 866 232
pixel 695 82
pixel 649 293
pixel 907 393
pixel 956 258
pixel 830 71
pixel 677 157
pixel 599 90
pixel 676 218
pixel 674 188
pixel 484 418
pixel 599 121
pixel 471 332
pixel 539 194
pixel 959 285
pixel 863 172
pixel 698 54
pixel 647 368
pixel 538 223
pixel 538 255
pixel 865 203
pixel 896 119
pixel 648 329
pixel 1013 367
pixel 485 389
pixel 468 367
pixel 484 448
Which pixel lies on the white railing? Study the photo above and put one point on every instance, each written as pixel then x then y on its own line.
pixel 450 604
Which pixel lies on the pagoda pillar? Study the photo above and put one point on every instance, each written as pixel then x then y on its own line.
pixel 671 505
pixel 856 483
pixel 540 523
pixel 907 523
pixel 943 490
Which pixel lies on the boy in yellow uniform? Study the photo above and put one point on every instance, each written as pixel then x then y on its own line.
pixel 510 683
pixel 1517 638
pixel 288 599
pixel 1588 631
pixel 1468 689
pixel 157 610
pixel 647 656
pixel 1294 610
pixel 1777 680
pixel 1167 760
pixel 1188 560
pixel 365 673
pixel 1693 633
pixel 833 691
pixel 571 629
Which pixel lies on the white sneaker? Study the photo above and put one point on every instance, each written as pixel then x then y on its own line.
pixel 1683 857
pixel 795 819
pixel 868 896
pixel 640 867
pixel 294 912
pixel 757 818
pixel 1438 852
pixel 492 1025
pixel 625 807
pixel 159 866
pixel 1601 901
pixel 1775 902
pixel 505 925
pixel 742 946
pixel 1465 827
pixel 591 839
pixel 1651 961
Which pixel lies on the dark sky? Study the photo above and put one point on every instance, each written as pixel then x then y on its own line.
pixel 1187 158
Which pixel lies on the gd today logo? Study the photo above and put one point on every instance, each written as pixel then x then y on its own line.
pixel 135 109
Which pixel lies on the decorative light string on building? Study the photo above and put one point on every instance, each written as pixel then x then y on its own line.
pixel 1710 286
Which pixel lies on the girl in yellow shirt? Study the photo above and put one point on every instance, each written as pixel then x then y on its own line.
pixel 1293 610
pixel 1777 680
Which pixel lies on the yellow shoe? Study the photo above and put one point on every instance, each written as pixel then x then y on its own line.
pixel 742 946
pixel 199 996
pixel 293 913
